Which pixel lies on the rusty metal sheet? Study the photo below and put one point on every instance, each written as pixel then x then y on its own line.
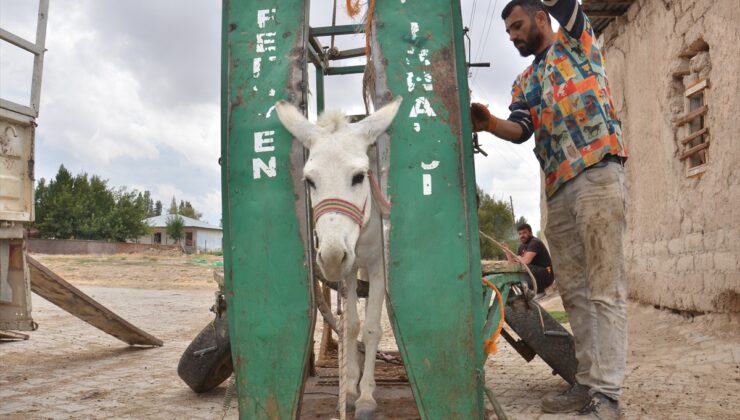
pixel 15 292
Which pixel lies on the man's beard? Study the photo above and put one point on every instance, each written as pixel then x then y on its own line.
pixel 534 40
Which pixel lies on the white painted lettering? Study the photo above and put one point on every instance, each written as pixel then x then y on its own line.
pixel 259 167
pixel 256 67
pixel 263 141
pixel 422 107
pixel 426 181
pixel 266 42
pixel 263 16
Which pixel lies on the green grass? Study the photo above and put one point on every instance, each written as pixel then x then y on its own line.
pixel 560 316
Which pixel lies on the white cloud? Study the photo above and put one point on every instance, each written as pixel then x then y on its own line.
pixel 131 93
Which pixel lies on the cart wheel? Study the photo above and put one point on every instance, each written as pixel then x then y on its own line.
pixel 206 363
pixel 554 345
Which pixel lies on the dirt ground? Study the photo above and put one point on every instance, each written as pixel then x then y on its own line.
pixel 678 367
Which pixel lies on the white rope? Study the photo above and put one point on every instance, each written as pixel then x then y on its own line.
pixel 343 359
pixel 531 276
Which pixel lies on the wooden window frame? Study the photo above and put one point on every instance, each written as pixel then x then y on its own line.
pixel 688 146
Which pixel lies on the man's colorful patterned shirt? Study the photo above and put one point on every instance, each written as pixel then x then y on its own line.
pixel 573 117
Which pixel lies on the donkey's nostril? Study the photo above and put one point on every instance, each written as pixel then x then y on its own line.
pixel 344 257
pixel 320 259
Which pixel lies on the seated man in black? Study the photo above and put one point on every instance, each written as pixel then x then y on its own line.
pixel 533 253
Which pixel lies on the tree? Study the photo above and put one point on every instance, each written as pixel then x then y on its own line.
pixel 175 227
pixel 188 210
pixel 158 208
pixel 173 206
pixel 86 208
pixel 126 221
pixel 495 219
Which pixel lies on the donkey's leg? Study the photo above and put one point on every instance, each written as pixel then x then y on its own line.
pixel 372 333
pixel 353 330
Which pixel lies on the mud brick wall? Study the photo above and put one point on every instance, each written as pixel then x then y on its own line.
pixel 683 241
pixel 73 246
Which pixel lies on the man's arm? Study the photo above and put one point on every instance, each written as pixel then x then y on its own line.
pixel 511 130
pixel 528 257
pixel 568 13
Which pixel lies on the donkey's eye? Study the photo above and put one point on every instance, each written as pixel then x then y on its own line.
pixel 358 178
pixel 310 183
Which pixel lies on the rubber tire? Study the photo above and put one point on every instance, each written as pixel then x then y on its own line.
pixel 205 372
pixel 558 352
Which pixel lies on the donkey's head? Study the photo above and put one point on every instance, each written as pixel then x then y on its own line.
pixel 336 174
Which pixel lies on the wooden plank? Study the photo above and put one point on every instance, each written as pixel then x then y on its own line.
pixel 56 290
pixel 694 135
pixel 694 149
pixel 604 14
pixel 696 87
pixel 12 335
pixel 685 118
pixel 607 2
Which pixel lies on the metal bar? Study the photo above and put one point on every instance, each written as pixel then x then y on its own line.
pixel 319 91
pixel 355 52
pixel 335 71
pixel 314 57
pixel 38 61
pixel 20 42
pixel 337 30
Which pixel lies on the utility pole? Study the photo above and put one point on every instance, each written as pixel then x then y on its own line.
pixel 513 217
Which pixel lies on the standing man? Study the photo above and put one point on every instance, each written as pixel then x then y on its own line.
pixel 533 253
pixel 563 98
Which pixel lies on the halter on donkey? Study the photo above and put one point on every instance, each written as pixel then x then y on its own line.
pixel 347 225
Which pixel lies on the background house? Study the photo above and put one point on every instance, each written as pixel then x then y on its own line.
pixel 198 236
pixel 673 70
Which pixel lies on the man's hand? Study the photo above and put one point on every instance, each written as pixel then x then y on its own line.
pixel 481 118
pixel 509 254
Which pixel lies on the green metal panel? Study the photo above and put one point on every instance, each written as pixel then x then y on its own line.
pixel 433 263
pixel 503 282
pixel 267 278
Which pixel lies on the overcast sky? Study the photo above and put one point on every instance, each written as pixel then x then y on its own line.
pixel 131 93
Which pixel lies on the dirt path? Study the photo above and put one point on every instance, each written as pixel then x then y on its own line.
pixel 678 367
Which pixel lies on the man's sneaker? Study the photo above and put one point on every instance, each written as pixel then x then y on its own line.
pixel 573 399
pixel 601 407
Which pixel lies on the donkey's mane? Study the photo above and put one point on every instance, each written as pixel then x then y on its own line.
pixel 332 120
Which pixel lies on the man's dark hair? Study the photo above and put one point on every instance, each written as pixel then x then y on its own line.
pixel 524 226
pixel 529 6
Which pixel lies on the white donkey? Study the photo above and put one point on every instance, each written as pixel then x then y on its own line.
pixel 347 224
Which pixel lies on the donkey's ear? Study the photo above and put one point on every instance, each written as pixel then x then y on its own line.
pixel 294 121
pixel 375 124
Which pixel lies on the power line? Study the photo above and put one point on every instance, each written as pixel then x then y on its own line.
pixel 490 20
pixel 487 21
pixel 470 21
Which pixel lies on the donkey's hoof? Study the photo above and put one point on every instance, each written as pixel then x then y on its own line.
pixel 365 414
pixel 350 404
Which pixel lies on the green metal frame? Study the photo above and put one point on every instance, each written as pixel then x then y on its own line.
pixel 268 279
pixel 434 267
pixel 434 284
